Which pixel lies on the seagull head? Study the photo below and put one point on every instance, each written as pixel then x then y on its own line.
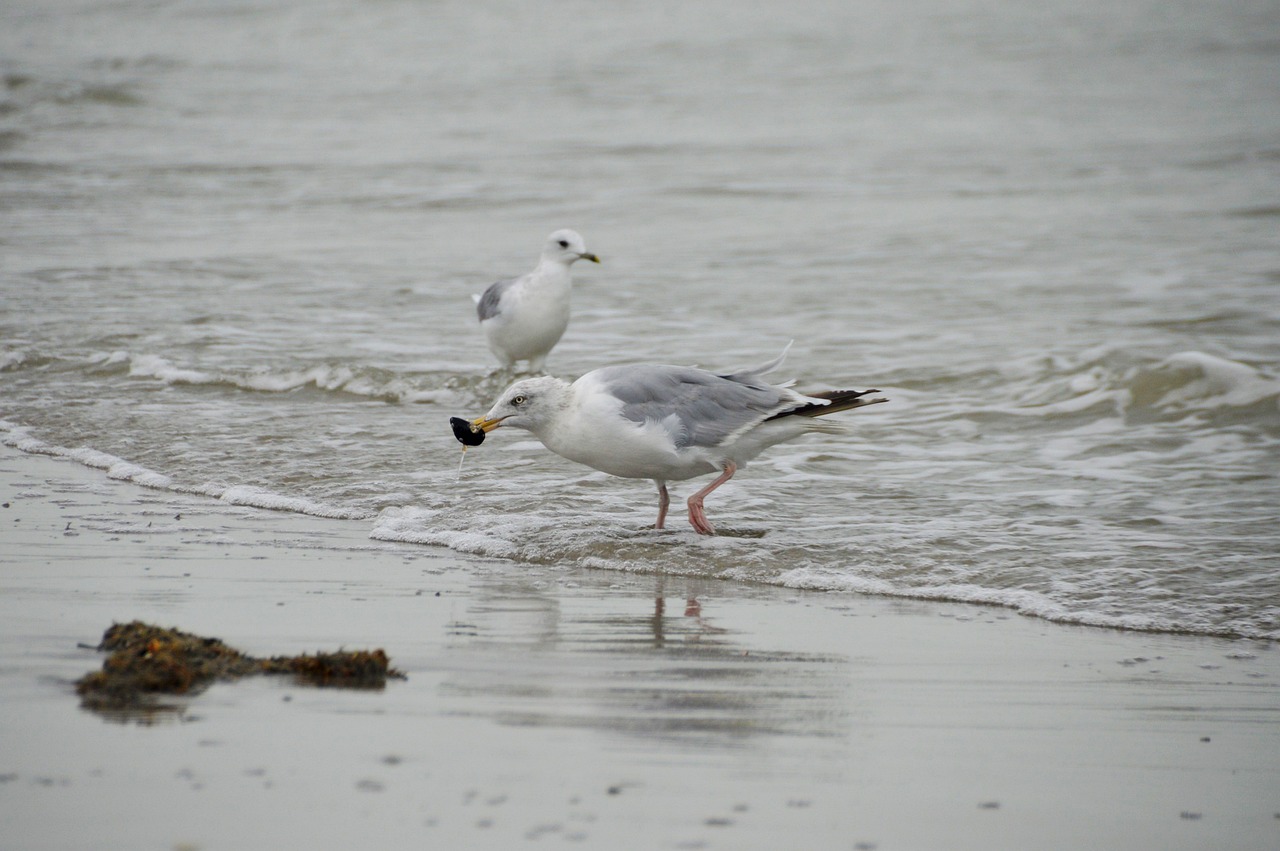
pixel 531 404
pixel 567 246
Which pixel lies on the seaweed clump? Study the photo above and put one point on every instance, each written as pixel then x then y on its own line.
pixel 367 669
pixel 147 661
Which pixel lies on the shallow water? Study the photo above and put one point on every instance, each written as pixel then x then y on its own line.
pixel 239 243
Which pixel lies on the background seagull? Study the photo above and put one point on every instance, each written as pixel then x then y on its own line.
pixel 667 423
pixel 523 318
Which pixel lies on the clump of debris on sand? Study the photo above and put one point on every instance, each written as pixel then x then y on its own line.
pixel 148 661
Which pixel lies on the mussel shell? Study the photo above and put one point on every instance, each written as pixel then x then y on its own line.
pixel 467 434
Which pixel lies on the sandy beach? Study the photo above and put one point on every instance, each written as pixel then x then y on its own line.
pixel 592 709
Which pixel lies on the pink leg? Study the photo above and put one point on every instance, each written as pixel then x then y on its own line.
pixel 664 502
pixel 698 517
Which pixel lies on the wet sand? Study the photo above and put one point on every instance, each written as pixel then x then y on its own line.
pixel 550 707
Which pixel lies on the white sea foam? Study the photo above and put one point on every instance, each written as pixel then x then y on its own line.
pixel 374 384
pixel 1022 601
pixel 123 470
pixel 1195 380
pixel 260 498
pixel 12 359
pixel 20 438
pixel 116 468
pixel 154 366
pixel 1106 379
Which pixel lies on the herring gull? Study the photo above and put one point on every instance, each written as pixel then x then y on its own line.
pixel 666 423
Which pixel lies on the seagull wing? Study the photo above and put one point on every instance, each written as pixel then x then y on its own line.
pixel 700 409
pixel 490 304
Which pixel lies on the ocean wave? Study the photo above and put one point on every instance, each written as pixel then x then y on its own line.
pixel 1195 381
pixel 261 498
pixel 1111 383
pixel 367 382
pixel 18 437
pixel 12 359
pixel 19 359
pixel 1022 601
pixel 116 468
pixel 409 525
pixel 744 557
pixel 27 91
pixel 529 528
pixel 456 389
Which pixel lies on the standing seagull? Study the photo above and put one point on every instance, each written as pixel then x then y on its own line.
pixel 523 318
pixel 666 423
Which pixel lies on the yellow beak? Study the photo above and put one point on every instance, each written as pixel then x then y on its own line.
pixel 591 257
pixel 486 425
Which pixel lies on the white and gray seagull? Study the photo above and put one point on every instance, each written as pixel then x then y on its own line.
pixel 667 423
pixel 523 318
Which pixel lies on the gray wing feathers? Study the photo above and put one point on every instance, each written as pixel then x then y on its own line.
pixel 701 409
pixel 487 306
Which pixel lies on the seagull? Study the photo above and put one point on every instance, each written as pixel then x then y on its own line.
pixel 667 423
pixel 523 318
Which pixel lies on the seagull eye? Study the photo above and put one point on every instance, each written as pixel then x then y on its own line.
pixel 519 400
pixel 564 243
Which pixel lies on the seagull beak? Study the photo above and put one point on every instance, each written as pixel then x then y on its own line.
pixel 586 255
pixel 486 425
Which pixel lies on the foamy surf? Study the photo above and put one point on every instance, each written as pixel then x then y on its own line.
pixel 127 471
pixel 1112 382
pixel 329 378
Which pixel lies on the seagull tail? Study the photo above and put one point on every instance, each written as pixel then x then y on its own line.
pixel 837 400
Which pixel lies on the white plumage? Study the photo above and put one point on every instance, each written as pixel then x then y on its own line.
pixel 666 423
pixel 523 318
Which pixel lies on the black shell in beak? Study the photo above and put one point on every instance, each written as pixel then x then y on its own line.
pixel 467 434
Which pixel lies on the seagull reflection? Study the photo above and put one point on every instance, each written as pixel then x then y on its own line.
pixel 692 609
pixel 586 652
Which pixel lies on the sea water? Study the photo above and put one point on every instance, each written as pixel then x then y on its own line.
pixel 238 243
